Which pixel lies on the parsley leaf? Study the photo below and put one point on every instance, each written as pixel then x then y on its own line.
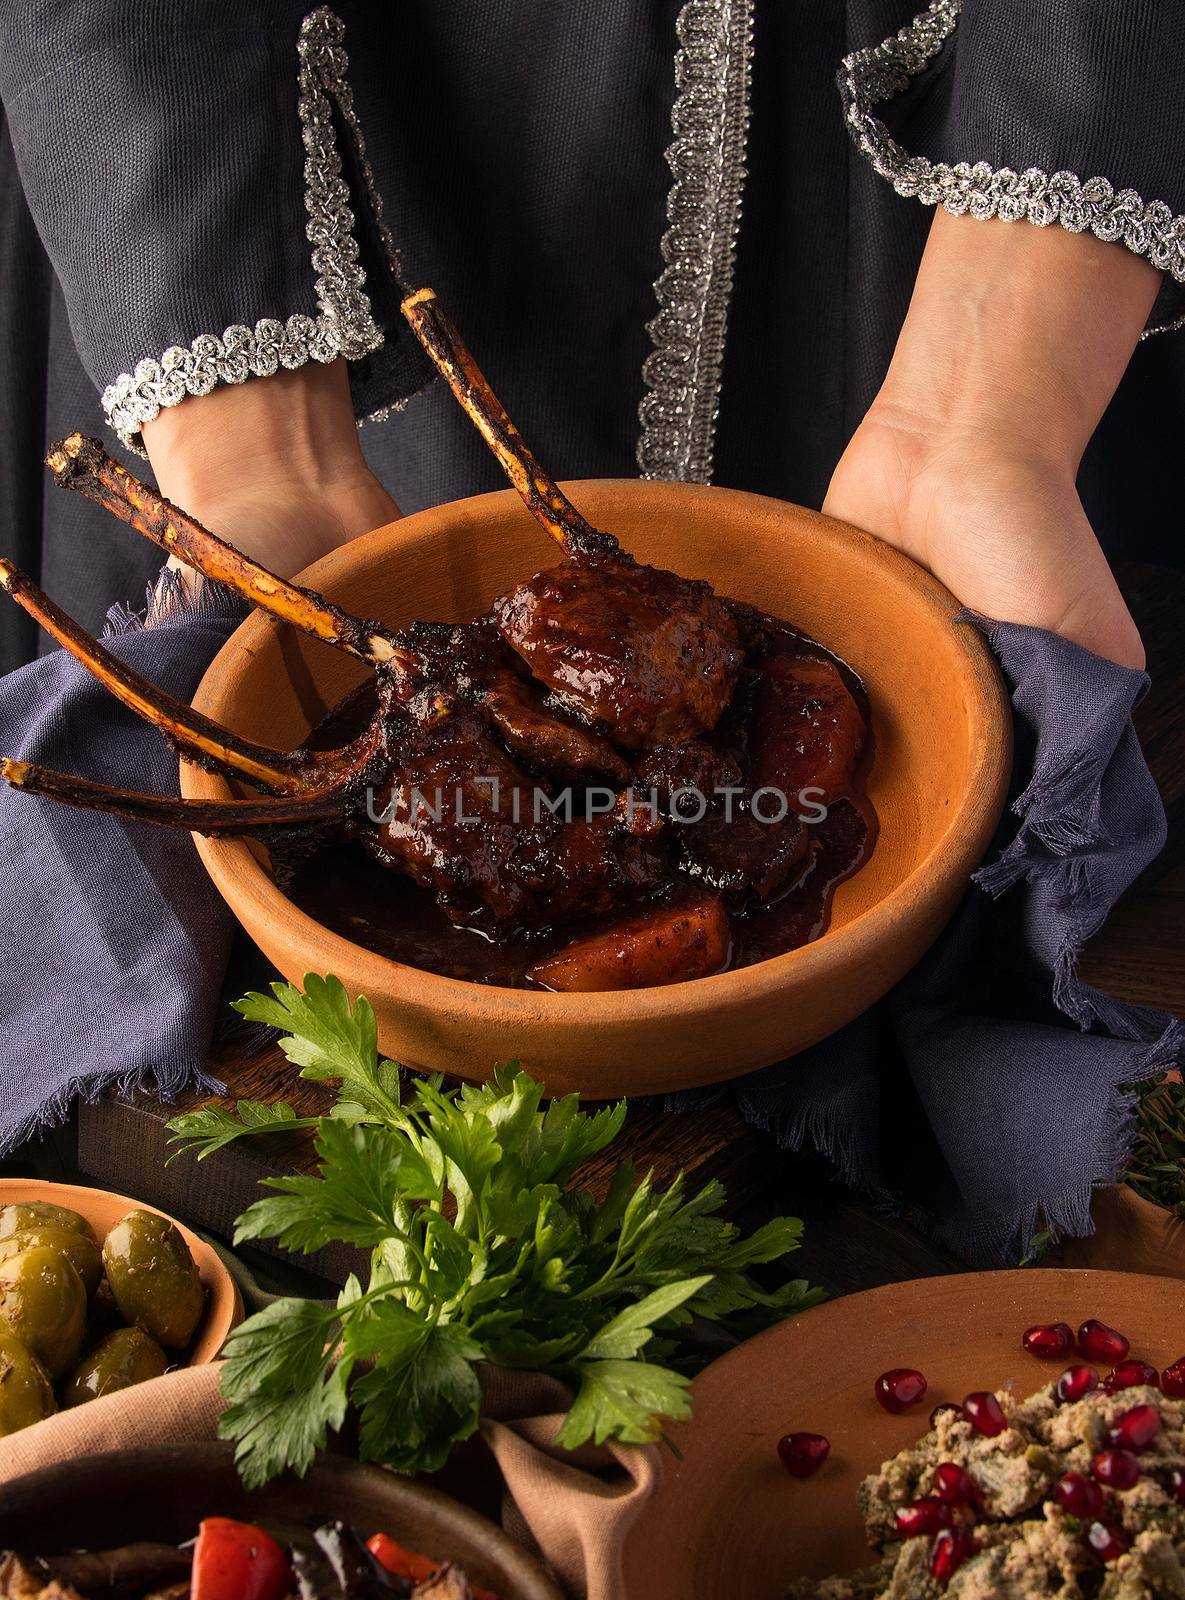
pixel 285 1393
pixel 328 1039
pixel 209 1128
pixel 479 1253
pixel 363 1173
pixel 623 1400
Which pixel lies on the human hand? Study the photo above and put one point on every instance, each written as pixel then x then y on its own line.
pixel 998 524
pixel 1015 340
pixel 273 466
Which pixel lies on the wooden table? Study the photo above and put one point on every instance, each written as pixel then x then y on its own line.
pixel 1139 956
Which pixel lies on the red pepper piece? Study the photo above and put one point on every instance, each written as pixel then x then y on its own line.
pixel 238 1561
pixel 389 1553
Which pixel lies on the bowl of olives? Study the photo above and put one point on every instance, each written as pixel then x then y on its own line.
pixel 99 1292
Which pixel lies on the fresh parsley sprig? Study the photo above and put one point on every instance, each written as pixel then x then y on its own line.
pixel 479 1253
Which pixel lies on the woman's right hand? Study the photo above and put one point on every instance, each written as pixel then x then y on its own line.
pixel 272 465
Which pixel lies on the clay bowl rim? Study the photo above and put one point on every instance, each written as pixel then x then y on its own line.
pixel 331 1476
pixel 224 1303
pixel 243 881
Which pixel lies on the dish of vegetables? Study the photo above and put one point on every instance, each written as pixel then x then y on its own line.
pixel 233 1560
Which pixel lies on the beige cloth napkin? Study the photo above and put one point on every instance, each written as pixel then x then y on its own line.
pixel 576 1509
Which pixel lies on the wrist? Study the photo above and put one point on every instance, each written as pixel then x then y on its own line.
pixel 292 430
pixel 273 466
pixel 1017 335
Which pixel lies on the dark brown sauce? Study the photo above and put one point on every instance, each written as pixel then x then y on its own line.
pixel 346 890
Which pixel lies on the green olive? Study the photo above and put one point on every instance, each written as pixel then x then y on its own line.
pixel 126 1357
pixel 153 1278
pixel 28 1214
pixel 81 1251
pixel 26 1394
pixel 43 1304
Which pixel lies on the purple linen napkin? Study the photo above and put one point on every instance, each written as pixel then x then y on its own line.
pixel 114 940
pixel 986 1093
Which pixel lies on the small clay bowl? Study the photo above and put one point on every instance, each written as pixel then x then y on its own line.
pixel 1131 1234
pixel 943 752
pixel 102 1209
pixel 100 1502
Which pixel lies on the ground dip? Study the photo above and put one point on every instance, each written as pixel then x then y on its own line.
pixel 1016 1540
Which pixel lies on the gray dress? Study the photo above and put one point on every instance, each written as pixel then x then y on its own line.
pixel 675 243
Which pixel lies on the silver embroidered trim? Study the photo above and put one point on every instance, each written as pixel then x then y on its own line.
pixel 710 121
pixel 345 324
pixel 869 77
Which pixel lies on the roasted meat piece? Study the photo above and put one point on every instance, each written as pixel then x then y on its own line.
pixel 744 858
pixel 461 818
pixel 473 660
pixel 697 768
pixel 650 657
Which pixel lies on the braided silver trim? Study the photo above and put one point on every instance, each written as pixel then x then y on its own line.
pixel 345 324
pixel 710 120
pixel 869 77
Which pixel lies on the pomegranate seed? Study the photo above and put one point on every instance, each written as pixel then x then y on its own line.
pixel 1177 1486
pixel 1136 1428
pixel 985 1412
pixel 1076 1494
pixel 1049 1340
pixel 924 1516
pixel 899 1388
pixel 1098 1342
pixel 945 1406
pixel 1131 1375
pixel 802 1454
pixel 954 1484
pixel 1172 1379
pixel 1107 1541
pixel 1076 1382
pixel 950 1549
pixel 1118 1469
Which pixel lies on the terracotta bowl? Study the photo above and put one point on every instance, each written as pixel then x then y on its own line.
pixel 943 751
pixel 102 1209
pixel 727 1520
pixel 100 1502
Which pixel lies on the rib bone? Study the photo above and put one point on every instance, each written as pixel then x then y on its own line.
pixel 199 816
pixel 273 770
pixel 82 464
pixel 543 497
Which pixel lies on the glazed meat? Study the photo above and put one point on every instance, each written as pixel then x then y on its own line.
pixel 746 859
pixel 697 768
pixel 649 657
pixel 461 818
pixel 473 661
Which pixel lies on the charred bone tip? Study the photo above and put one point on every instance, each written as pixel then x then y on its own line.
pixel 74 456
